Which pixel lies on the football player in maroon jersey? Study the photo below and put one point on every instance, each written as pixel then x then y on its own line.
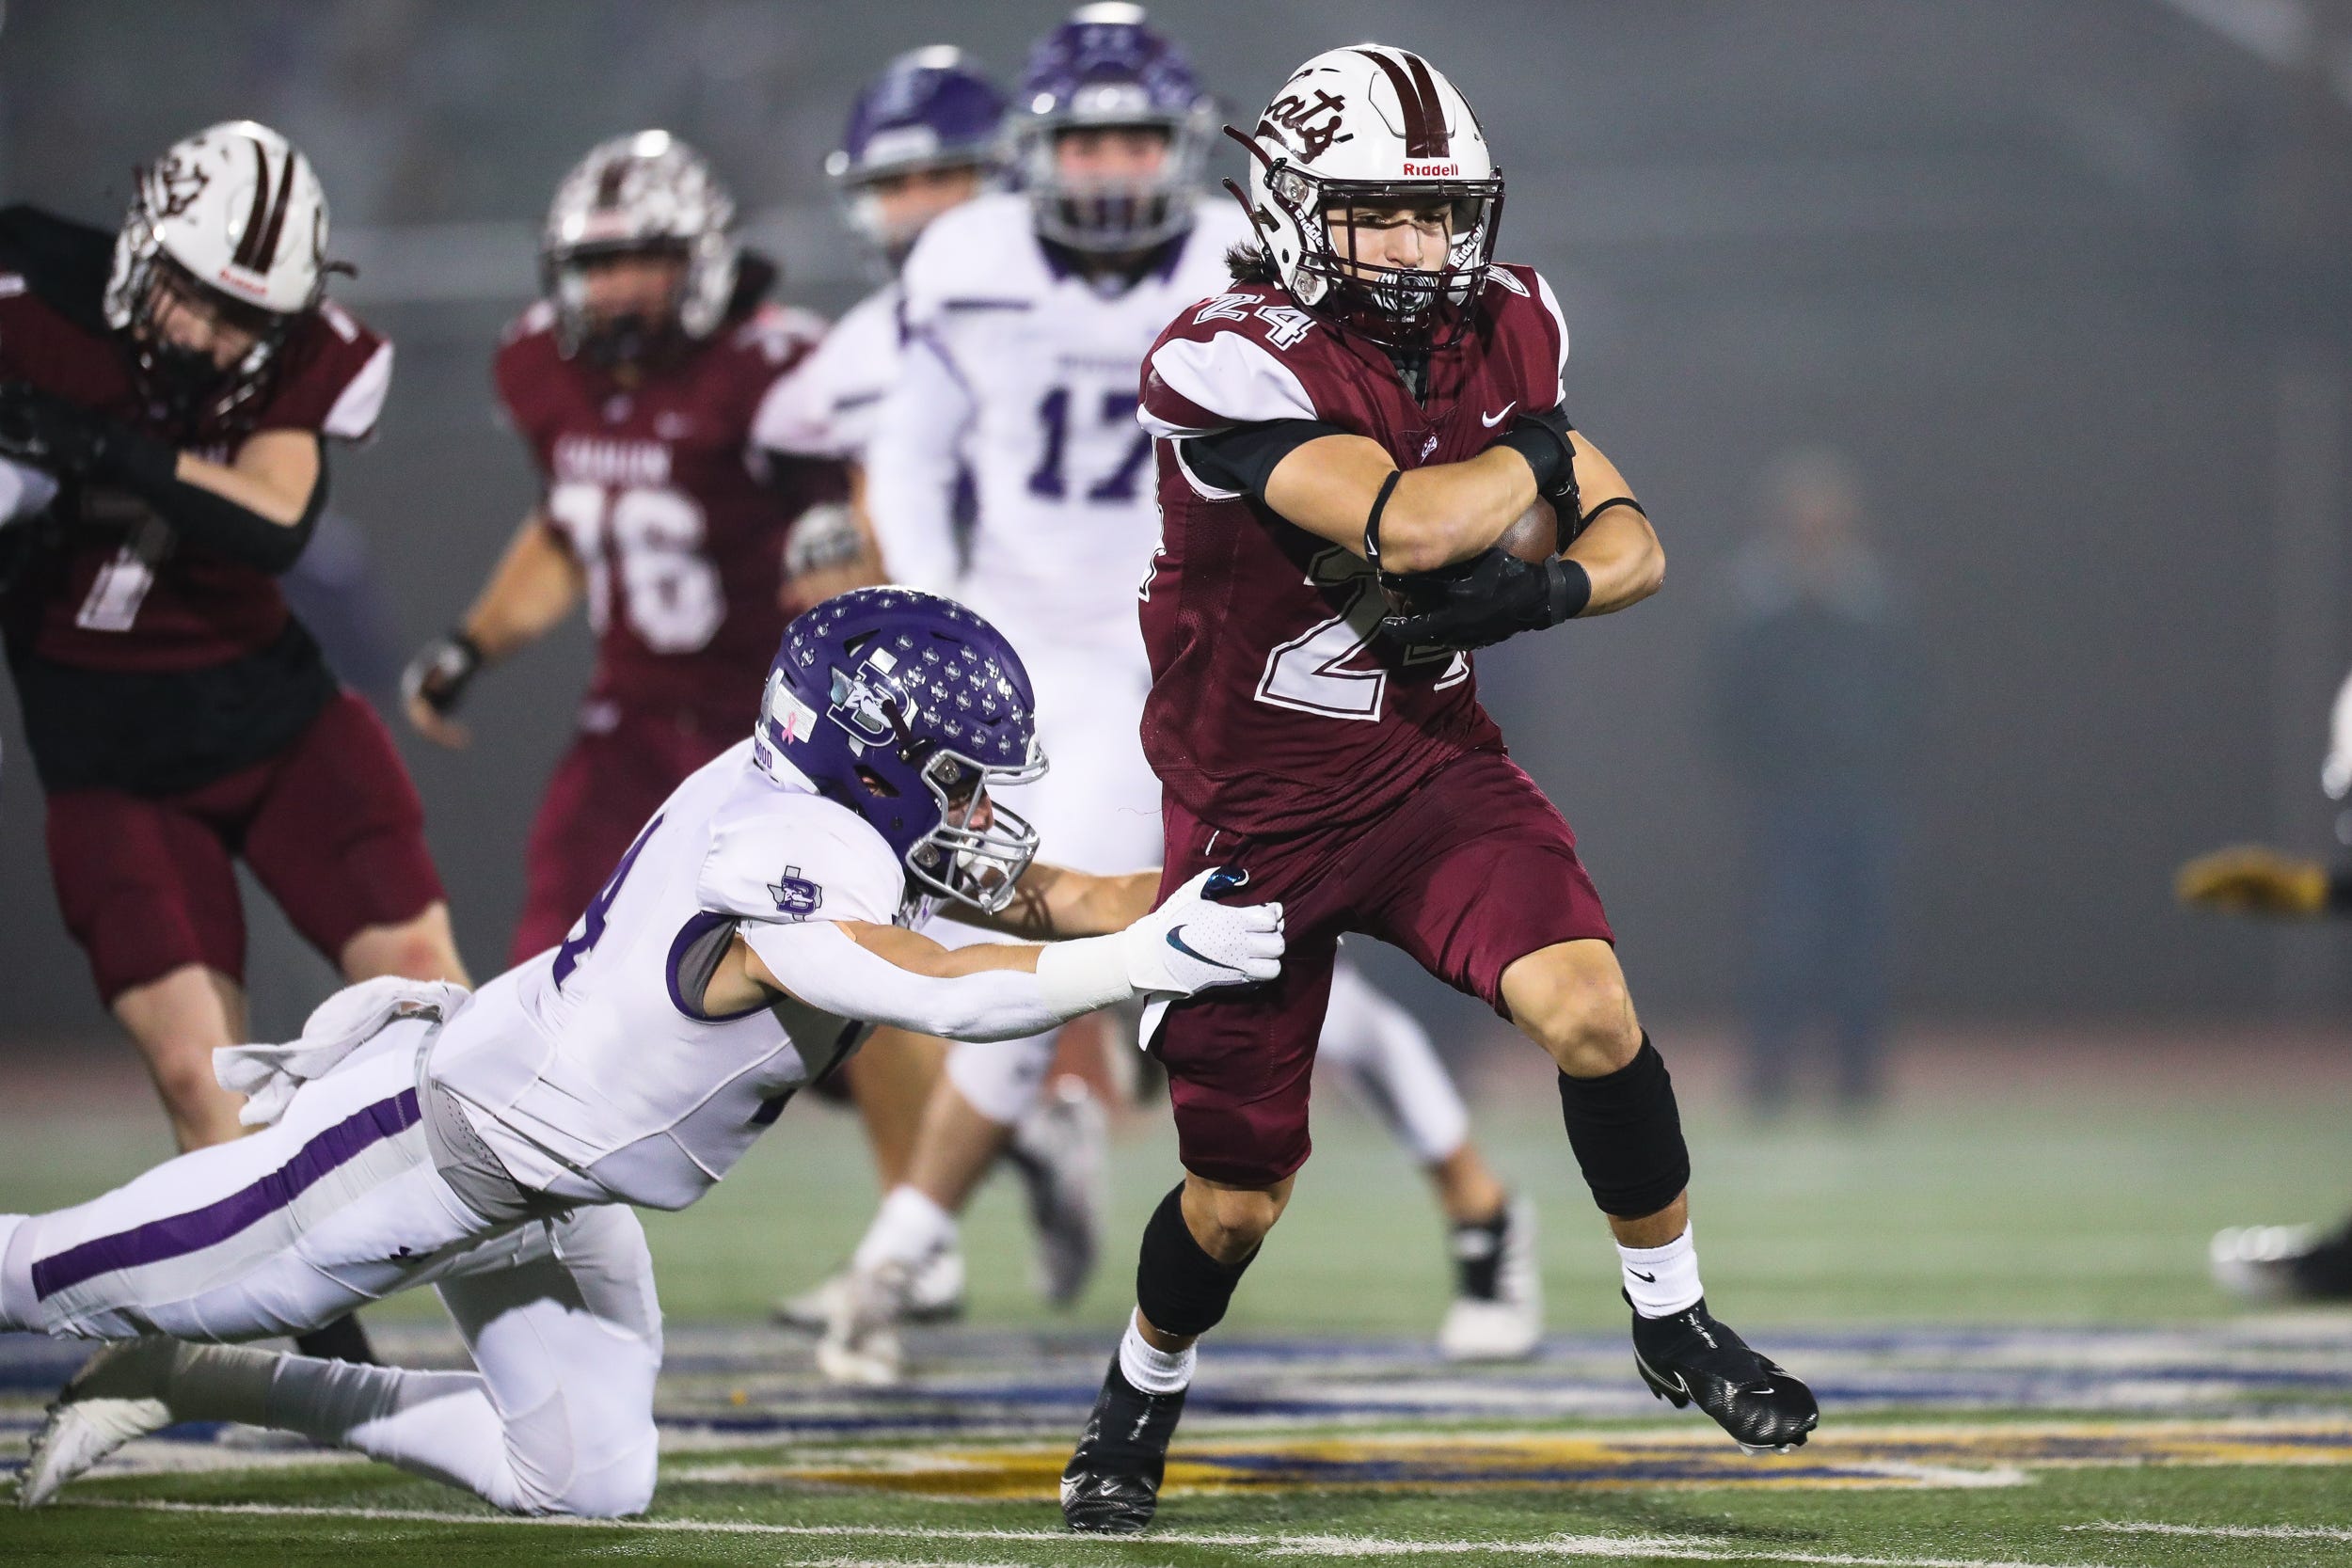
pixel 169 393
pixel 1370 410
pixel 636 382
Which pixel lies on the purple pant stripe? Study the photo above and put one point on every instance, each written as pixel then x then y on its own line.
pixel 199 1228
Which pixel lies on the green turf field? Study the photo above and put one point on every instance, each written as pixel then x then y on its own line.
pixel 1999 1293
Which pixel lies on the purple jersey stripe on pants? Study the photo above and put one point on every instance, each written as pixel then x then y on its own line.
pixel 199 1228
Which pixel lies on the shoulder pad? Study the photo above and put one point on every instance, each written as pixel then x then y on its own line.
pixel 779 334
pixel 540 317
pixel 782 855
pixel 1229 360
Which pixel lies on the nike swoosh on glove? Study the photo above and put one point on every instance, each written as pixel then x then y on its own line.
pixel 1191 943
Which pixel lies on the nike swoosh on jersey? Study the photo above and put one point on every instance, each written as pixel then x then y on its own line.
pixel 1175 940
pixel 1496 420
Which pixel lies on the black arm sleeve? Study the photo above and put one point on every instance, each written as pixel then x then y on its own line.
pixel 1243 457
pixel 205 518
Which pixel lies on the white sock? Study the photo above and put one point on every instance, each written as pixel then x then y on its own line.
pixel 1154 1371
pixel 20 1308
pixel 909 1228
pixel 436 1424
pixel 1663 1280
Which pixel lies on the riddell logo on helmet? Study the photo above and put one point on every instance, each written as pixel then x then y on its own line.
pixel 1438 170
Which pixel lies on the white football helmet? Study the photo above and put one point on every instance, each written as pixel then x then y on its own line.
pixel 237 211
pixel 1373 126
pixel 644 191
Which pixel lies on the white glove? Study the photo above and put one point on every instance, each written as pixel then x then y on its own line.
pixel 2335 773
pixel 1190 943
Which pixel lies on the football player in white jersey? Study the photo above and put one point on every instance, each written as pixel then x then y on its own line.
pixel 1026 318
pixel 490 1145
pixel 922 137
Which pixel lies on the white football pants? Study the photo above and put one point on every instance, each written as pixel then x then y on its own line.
pixel 338 1205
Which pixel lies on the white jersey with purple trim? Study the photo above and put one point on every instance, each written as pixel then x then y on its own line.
pixel 592 1072
pixel 1018 360
pixel 827 405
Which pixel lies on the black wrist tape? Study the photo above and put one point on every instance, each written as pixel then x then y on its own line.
pixel 1627 1135
pixel 1570 590
pixel 1180 1289
pixel 1371 519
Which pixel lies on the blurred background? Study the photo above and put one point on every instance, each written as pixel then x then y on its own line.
pixel 1984 366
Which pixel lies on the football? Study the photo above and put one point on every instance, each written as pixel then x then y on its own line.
pixel 1535 535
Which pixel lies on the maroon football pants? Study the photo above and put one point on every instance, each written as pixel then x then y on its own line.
pixel 1472 872
pixel 331 826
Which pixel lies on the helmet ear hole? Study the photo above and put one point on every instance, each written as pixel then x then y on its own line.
pixel 876 785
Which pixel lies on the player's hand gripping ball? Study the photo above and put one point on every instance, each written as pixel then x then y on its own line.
pixel 2246 878
pixel 1514 587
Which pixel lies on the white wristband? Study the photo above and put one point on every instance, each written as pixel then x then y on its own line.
pixel 1084 976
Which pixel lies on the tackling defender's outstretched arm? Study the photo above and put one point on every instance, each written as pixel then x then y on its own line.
pixel 885 975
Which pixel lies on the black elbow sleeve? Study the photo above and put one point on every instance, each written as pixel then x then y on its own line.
pixel 211 521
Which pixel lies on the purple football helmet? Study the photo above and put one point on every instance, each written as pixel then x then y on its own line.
pixel 1105 67
pixel 908 708
pixel 931 108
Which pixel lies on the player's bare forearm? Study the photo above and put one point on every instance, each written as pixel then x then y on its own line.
pixel 1051 901
pixel 272 475
pixel 533 588
pixel 1620 552
pixel 1445 513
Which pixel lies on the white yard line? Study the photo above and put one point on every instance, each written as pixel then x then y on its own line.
pixel 1676 1549
pixel 1682 1549
pixel 2230 1532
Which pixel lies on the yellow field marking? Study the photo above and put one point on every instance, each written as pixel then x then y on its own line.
pixel 1924 1456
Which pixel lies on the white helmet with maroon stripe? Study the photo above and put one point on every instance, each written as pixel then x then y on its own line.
pixel 235 210
pixel 646 191
pixel 1373 126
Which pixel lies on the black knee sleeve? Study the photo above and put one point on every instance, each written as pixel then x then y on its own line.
pixel 1627 1135
pixel 1180 1289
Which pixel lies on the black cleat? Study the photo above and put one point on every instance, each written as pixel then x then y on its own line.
pixel 1690 1359
pixel 1111 1485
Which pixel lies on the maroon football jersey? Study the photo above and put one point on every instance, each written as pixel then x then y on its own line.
pixel 657 490
pixel 127 596
pixel 1274 707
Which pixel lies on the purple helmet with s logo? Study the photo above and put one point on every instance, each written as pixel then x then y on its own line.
pixel 908 708
pixel 1106 68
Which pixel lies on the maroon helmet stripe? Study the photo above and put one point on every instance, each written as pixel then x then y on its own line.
pixel 1425 133
pixel 278 215
pixel 255 221
pixel 1441 139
